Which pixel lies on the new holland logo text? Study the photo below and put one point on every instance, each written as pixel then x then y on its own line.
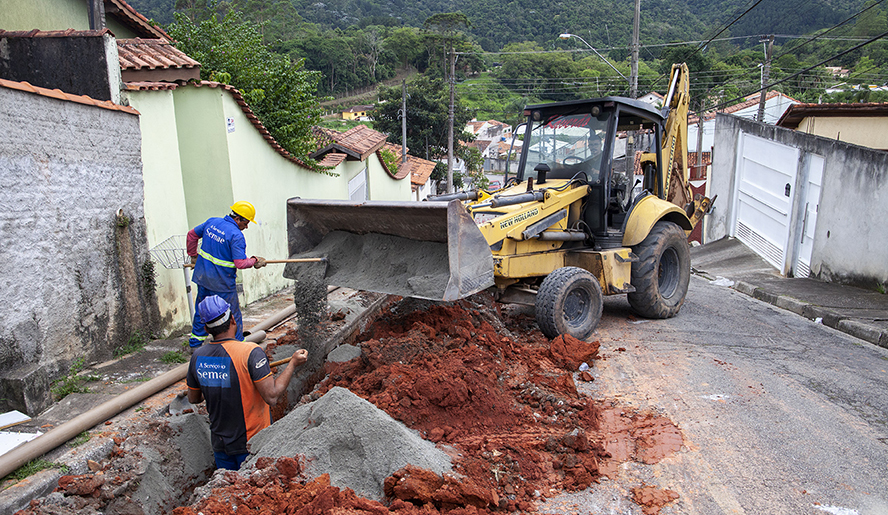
pixel 509 222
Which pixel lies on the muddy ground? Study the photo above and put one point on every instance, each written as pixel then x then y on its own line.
pixel 477 380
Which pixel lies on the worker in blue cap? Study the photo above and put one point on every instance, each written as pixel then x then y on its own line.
pixel 235 379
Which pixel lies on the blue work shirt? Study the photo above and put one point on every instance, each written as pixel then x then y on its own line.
pixel 221 243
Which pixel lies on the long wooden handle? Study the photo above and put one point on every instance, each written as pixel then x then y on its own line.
pixel 272 261
pixel 280 362
pixel 300 260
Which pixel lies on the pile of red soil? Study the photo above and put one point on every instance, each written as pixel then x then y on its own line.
pixel 490 390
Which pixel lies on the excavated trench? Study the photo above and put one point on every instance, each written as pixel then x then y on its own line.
pixel 458 407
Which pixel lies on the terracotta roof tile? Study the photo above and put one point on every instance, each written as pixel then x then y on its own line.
pixel 133 19
pixel 138 54
pixel 61 95
pixel 362 139
pixel 153 60
pixel 420 170
pixel 150 86
pixel 476 126
pixel 332 159
pixel 480 144
pixel 324 137
pixel 67 33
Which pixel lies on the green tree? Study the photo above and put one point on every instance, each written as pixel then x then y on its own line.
pixel 406 43
pixel 280 92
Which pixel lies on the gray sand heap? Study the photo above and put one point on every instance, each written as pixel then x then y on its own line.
pixel 345 436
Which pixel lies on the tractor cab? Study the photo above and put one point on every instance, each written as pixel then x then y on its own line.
pixel 594 142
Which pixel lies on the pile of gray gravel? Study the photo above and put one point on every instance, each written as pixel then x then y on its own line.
pixel 349 438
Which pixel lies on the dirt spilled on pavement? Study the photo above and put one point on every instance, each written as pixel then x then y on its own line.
pixel 490 390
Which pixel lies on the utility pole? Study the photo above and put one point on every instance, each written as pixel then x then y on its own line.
pixel 450 123
pixel 766 72
pixel 403 121
pixel 700 141
pixel 633 71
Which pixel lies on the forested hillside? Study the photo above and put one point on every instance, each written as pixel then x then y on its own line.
pixel 604 23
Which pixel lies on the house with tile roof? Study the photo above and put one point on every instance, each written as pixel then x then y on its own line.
pixel 776 104
pixel 202 147
pixel 653 98
pixel 489 137
pixel 864 124
pixel 357 112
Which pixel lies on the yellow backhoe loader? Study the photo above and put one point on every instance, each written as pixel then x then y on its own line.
pixel 571 226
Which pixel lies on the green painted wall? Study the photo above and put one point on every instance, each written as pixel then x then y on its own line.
pixel 165 212
pixel 203 148
pixel 383 186
pixel 194 168
pixel 53 15
pixel 44 14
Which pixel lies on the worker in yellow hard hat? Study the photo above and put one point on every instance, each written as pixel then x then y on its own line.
pixel 222 251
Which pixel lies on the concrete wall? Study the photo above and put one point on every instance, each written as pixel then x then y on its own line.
pixel 53 15
pixel 73 268
pixel 80 65
pixel 192 152
pixel 850 236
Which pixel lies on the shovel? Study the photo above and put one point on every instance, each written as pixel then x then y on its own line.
pixel 180 405
pixel 273 261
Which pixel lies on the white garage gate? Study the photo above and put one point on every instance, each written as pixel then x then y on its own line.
pixel 765 203
pixel 763 196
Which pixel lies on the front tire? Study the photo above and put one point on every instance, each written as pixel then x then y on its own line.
pixel 662 272
pixel 569 301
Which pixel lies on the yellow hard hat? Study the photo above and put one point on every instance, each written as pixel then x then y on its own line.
pixel 244 209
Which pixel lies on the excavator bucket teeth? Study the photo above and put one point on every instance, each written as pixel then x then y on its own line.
pixel 428 250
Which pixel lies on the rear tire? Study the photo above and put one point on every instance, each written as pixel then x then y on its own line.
pixel 569 301
pixel 662 272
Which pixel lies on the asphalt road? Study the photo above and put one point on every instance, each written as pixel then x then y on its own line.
pixel 780 415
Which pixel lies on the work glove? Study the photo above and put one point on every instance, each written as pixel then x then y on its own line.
pixel 260 262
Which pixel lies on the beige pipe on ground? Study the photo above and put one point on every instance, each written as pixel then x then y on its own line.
pixel 39 446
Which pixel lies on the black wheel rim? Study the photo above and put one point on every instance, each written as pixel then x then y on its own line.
pixel 668 273
pixel 577 306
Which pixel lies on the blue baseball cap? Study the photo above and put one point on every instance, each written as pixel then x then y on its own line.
pixel 214 311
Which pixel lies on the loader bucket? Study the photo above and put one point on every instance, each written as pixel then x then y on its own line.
pixel 428 250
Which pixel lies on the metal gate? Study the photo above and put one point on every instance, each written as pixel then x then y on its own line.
pixel 763 196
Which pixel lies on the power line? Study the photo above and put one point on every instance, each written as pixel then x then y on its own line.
pixel 829 30
pixel 729 102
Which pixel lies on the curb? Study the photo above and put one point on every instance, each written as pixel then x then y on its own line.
pixel 828 317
